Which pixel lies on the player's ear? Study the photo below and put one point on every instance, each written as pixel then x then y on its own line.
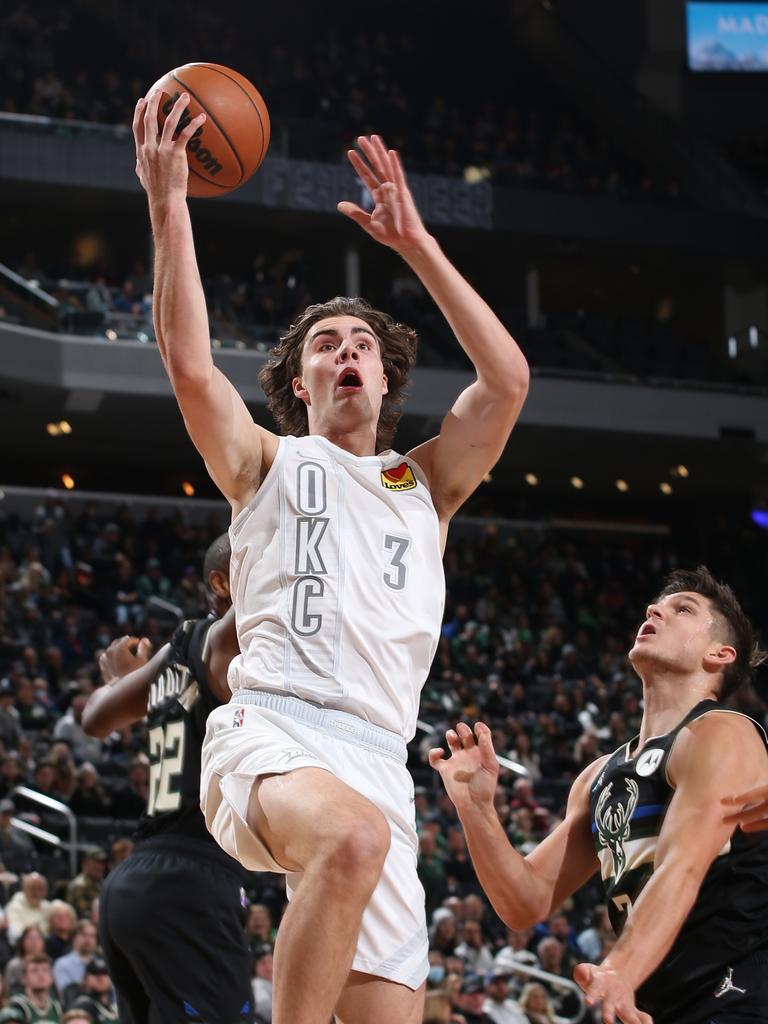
pixel 218 581
pixel 719 657
pixel 300 391
pixel 384 385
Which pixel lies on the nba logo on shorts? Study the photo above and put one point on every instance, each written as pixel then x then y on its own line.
pixel 239 717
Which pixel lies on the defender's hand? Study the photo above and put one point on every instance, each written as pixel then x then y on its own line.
pixel 395 221
pixel 124 655
pixel 471 772
pixel 606 986
pixel 748 810
pixel 161 161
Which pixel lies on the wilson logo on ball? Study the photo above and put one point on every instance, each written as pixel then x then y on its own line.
pixel 399 478
pixel 203 155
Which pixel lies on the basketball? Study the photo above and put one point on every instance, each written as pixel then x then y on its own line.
pixel 230 146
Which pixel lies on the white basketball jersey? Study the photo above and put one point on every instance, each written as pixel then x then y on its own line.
pixel 338 584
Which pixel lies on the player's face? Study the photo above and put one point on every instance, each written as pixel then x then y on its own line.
pixel 342 375
pixel 679 632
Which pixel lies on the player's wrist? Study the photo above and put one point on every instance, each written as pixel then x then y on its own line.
pixel 419 250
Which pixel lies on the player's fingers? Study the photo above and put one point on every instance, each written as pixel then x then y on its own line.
pixel 466 738
pixel 758 825
pixel 608 1014
pixel 644 1018
pixel 373 156
pixel 172 120
pixel 150 117
pixel 138 123
pixel 452 739
pixel 398 171
pixel 485 743
pixel 363 171
pixel 749 796
pixel 436 758
pixel 189 130
pixel 354 212
pixel 382 156
pixel 144 649
pixel 582 975
pixel 747 816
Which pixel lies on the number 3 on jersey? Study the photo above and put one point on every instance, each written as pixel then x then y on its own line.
pixel 166 757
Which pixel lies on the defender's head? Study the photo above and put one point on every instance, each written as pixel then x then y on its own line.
pixel 343 365
pixel 697 624
pixel 216 575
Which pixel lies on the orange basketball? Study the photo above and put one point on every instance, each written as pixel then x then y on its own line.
pixel 226 150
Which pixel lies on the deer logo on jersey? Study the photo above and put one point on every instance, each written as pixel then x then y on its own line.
pixel 399 478
pixel 613 824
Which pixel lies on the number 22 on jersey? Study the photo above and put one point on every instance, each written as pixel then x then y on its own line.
pixel 166 756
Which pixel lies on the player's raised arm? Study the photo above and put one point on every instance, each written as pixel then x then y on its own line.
pixel 215 415
pixel 128 672
pixel 523 890
pixel 474 432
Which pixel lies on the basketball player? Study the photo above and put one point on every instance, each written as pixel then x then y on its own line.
pixel 687 895
pixel 172 914
pixel 338 587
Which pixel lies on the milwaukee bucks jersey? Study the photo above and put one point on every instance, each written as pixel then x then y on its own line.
pixel 628 803
pixel 178 705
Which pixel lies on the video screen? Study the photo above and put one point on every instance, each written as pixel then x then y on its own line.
pixel 727 37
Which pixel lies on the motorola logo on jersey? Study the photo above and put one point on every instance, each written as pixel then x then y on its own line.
pixel 398 478
pixel 649 761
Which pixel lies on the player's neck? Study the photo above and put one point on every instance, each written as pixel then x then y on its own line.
pixel 668 698
pixel 357 441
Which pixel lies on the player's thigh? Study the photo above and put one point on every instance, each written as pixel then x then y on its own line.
pixel 366 999
pixel 304 814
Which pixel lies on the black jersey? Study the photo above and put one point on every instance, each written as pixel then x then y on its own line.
pixel 178 705
pixel 628 804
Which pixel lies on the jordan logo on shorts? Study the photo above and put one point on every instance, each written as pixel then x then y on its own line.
pixel 726 985
pixel 239 718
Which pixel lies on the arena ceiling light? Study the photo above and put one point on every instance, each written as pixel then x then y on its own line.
pixel 665 488
pixel 53 429
pixel 577 482
pixel 622 485
pixel 683 472
pixel 188 489
pixel 531 479
pixel 68 481
pixel 65 427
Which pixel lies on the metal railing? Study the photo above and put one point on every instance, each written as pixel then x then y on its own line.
pixel 49 837
pixel 509 964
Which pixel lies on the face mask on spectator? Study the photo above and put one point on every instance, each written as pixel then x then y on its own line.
pixel 436 974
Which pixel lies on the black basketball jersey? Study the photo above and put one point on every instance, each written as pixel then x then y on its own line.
pixel 628 804
pixel 178 705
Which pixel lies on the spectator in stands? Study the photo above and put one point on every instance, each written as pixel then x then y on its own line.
pixel 70 730
pixel 17 852
pixel 85 887
pixel 458 865
pixel 258 926
pixel 499 1005
pixel 537 1006
pixel 61 928
pixel 443 934
pixel 96 995
pixel 69 969
pixel 29 906
pixel 31 942
pixel 10 727
pixel 431 871
pixel 36 1002
pixel 129 608
pixel 553 959
pixel 262 983
pixel 470 999
pixel 34 715
pixel 89 799
pixel 473 949
pixel 153 583
pixel 591 941
pixel 120 849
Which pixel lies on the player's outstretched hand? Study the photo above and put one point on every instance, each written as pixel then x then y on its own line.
pixel 748 810
pixel 394 221
pixel 605 986
pixel 124 655
pixel 161 160
pixel 470 773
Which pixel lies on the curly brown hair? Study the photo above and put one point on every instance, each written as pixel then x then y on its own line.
pixel 735 628
pixel 398 354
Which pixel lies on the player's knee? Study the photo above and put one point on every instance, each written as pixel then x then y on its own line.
pixel 359 847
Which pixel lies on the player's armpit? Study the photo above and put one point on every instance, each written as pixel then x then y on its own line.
pixel 124 701
pixel 472 437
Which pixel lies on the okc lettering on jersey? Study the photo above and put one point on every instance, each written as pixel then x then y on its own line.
pixel 309 565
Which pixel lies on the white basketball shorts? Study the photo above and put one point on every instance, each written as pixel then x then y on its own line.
pixel 260 733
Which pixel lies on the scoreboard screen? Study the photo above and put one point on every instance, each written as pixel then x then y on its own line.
pixel 727 37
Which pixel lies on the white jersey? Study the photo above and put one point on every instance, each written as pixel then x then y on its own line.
pixel 337 581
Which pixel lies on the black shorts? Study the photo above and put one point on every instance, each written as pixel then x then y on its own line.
pixel 743 998
pixel 171 929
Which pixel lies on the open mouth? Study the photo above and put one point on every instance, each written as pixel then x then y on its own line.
pixel 647 629
pixel 350 378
